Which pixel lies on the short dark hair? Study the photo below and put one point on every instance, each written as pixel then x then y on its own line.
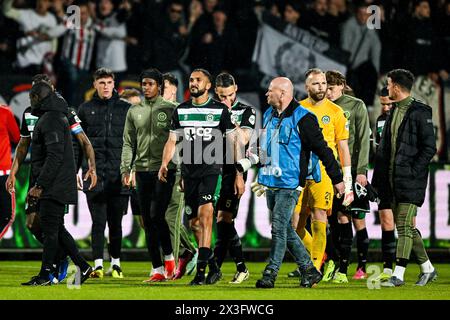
pixel 416 3
pixel 129 93
pixel 154 74
pixel 103 73
pixel 225 80
pixel 41 77
pixel 171 78
pixel 205 72
pixel 335 78
pixel 402 77
pixel 313 71
pixel 296 5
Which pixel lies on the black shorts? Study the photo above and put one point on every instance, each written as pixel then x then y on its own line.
pixel 200 191
pixel 357 209
pixel 228 200
pixel 383 205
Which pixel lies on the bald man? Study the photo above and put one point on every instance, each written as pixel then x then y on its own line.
pixel 292 134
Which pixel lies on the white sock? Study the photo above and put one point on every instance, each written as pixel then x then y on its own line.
pixel 98 263
pixel 115 261
pixel 169 257
pixel 399 272
pixel 427 267
pixel 387 271
pixel 159 270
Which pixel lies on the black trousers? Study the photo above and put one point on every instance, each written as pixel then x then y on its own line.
pixel 106 207
pixel 154 198
pixel 55 234
pixel 5 206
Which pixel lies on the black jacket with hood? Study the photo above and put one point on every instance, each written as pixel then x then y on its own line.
pixel 52 161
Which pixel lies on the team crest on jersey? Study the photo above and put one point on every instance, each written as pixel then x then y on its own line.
pixel 188 210
pixel 347 114
pixel 162 116
pixel 210 117
pixel 234 118
pixel 252 119
pixel 325 119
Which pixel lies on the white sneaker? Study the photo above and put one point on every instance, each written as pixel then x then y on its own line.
pixel 240 277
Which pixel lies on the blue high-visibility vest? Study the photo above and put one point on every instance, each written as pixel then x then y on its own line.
pixel 282 146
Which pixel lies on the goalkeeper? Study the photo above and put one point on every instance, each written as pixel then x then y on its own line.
pixel 317 198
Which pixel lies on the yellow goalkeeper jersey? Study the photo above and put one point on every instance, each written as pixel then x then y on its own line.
pixel 332 121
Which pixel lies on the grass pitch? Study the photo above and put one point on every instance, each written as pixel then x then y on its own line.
pixel 12 273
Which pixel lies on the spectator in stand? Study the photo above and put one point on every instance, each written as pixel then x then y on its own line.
pixel 218 45
pixel 169 40
pixel 35 46
pixel 76 52
pixel 111 43
pixel 339 10
pixel 195 12
pixel 292 13
pixel 422 53
pixel 203 25
pixel 321 23
pixel 364 47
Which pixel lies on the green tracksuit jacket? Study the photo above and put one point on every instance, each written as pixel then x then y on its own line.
pixel 145 134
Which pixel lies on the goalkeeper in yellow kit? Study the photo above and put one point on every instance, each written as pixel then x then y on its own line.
pixel 317 197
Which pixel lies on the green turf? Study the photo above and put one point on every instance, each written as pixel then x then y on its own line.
pixel 12 273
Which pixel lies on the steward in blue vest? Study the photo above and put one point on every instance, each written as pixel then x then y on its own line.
pixel 289 139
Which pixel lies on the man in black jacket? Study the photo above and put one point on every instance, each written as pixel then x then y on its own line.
pixel 103 120
pixel 401 172
pixel 53 178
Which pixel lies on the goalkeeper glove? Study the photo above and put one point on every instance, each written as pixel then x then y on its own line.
pixel 348 185
pixel 258 189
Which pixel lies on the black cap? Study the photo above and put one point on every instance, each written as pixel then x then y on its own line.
pixel 154 74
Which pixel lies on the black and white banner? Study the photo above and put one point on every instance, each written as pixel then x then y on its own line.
pixel 279 54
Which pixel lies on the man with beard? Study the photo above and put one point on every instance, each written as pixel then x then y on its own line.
pixel 317 197
pixel 54 183
pixel 244 117
pixel 202 122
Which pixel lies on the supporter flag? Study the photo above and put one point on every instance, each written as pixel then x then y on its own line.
pixel 277 54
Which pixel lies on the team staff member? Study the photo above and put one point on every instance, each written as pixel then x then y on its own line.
pixel 54 183
pixel 244 117
pixel 183 249
pixel 355 112
pixel 317 198
pixel 202 122
pixel 406 148
pixel 9 133
pixel 103 120
pixel 298 134
pixel 146 130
